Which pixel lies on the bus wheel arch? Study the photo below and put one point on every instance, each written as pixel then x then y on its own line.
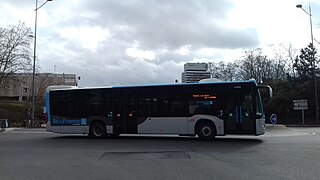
pixel 97 129
pixel 205 129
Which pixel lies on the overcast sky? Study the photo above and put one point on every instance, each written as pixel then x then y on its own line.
pixel 122 42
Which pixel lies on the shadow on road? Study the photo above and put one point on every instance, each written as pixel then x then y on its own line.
pixel 156 143
pixel 148 138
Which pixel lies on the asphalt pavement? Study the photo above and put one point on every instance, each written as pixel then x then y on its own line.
pixel 282 153
pixel 271 130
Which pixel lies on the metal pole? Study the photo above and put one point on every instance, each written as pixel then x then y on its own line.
pixel 313 64
pixel 314 69
pixel 310 15
pixel 34 59
pixel 34 64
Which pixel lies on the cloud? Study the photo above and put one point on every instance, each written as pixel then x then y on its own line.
pixel 113 42
pixel 172 24
pixel 135 52
pixel 88 37
pixel 184 50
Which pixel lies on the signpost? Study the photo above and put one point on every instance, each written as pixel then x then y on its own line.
pixel 273 119
pixel 300 105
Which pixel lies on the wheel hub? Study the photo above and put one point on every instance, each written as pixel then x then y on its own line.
pixel 206 131
pixel 98 130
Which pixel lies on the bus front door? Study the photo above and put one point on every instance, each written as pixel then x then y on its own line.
pixel 238 116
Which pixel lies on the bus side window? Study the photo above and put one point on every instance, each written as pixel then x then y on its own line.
pixel 246 104
pixel 209 107
pixel 179 108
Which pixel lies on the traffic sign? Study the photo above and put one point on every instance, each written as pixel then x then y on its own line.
pixel 273 119
pixel 300 104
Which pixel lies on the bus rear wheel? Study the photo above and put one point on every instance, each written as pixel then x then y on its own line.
pixel 98 130
pixel 206 131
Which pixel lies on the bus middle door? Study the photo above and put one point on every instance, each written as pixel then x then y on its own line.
pixel 124 106
pixel 131 116
pixel 118 112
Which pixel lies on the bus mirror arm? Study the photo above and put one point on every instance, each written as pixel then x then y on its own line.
pixel 267 87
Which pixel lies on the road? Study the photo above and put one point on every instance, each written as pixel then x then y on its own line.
pixel 283 153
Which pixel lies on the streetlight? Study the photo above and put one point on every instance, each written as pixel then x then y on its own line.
pixel 314 62
pixel 34 57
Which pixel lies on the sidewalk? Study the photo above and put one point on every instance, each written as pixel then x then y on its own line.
pixel 8 129
pixel 282 130
pixel 300 125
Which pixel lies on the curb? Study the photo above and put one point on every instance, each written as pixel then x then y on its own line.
pixel 7 129
pixel 303 126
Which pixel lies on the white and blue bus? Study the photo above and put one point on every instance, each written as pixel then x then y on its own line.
pixel 206 109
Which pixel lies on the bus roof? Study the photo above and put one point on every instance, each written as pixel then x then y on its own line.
pixel 188 84
pixel 64 87
pixel 59 87
pixel 251 81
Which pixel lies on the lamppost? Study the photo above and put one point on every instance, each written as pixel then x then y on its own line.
pixel 34 58
pixel 314 63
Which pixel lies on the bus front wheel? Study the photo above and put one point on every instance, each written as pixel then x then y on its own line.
pixel 206 131
pixel 98 130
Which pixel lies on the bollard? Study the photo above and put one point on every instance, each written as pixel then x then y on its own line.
pixel 3 124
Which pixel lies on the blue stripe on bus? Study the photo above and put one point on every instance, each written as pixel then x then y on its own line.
pixel 48 105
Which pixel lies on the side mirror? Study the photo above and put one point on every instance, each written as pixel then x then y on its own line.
pixel 267 87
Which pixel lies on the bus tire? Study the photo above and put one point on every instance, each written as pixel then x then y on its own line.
pixel 206 131
pixel 98 130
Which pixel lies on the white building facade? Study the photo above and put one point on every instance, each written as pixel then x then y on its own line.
pixel 19 87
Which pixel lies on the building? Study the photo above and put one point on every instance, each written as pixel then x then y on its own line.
pixel 194 72
pixel 19 86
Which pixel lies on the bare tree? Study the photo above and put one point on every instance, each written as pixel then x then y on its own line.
pixel 282 61
pixel 258 66
pixel 223 71
pixel 255 66
pixel 291 54
pixel 15 51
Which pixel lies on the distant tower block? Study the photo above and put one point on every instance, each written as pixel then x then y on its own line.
pixel 194 72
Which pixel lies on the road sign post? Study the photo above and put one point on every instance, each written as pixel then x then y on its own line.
pixel 300 105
